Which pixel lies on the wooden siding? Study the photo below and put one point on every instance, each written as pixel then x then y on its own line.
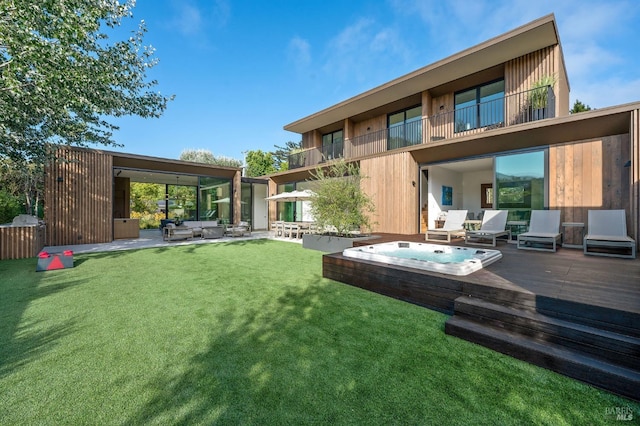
pixel 19 242
pixel 635 174
pixel 78 194
pixel 390 183
pixel 589 175
pixel 521 73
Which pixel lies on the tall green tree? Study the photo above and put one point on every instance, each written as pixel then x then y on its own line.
pixel 207 157
pixel 61 76
pixel 281 154
pixel 579 107
pixel 259 163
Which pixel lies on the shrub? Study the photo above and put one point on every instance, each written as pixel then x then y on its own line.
pixel 340 204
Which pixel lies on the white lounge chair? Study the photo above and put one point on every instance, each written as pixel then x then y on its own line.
pixel 607 229
pixel 544 229
pixel 453 225
pixel 493 226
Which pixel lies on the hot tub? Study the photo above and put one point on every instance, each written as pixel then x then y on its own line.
pixel 445 259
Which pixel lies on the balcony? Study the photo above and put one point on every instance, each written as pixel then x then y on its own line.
pixel 523 107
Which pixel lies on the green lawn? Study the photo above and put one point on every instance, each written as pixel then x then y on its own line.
pixel 250 333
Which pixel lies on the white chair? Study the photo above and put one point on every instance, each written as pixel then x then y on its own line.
pixel 544 229
pixel 453 225
pixel 493 226
pixel 607 229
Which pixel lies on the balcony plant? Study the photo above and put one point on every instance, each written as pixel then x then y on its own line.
pixel 539 96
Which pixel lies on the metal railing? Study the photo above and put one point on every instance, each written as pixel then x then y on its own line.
pixel 523 107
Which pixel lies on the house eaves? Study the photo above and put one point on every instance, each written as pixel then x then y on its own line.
pixel 528 38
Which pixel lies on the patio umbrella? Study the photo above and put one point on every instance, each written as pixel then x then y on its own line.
pixel 303 195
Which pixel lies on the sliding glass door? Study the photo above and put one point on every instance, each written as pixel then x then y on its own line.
pixel 520 184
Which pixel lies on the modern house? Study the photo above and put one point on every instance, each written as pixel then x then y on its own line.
pixel 488 127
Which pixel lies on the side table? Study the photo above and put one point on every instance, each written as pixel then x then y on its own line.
pixel 574 225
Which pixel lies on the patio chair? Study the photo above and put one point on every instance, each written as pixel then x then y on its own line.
pixel 171 232
pixel 493 226
pixel 544 229
pixel 453 225
pixel 239 230
pixel 607 235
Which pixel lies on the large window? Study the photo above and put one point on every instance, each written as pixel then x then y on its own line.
pixel 215 199
pixel 332 145
pixel 479 106
pixel 405 128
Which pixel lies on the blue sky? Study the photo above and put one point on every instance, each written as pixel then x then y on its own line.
pixel 241 70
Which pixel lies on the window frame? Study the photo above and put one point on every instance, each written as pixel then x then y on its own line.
pixel 476 121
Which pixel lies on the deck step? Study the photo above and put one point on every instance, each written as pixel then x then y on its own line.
pixel 563 360
pixel 606 345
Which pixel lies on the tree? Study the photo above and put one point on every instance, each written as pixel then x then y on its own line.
pixel 24 184
pixel 339 202
pixel 259 163
pixel 207 157
pixel 579 107
pixel 60 77
pixel 281 154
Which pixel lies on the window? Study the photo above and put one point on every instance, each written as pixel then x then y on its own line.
pixel 405 128
pixel 332 146
pixel 480 106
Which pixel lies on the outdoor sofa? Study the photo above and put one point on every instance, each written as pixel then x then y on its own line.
pixel 204 228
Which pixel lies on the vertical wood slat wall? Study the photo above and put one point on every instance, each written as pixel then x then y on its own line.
pixel 634 156
pixel 389 184
pixel 19 242
pixel 590 175
pixel 78 194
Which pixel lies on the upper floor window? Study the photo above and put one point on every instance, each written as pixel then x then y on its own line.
pixel 479 106
pixel 405 127
pixel 332 145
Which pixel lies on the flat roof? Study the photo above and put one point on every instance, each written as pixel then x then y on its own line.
pixel 528 38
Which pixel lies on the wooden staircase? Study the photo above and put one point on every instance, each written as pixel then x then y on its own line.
pixel 584 342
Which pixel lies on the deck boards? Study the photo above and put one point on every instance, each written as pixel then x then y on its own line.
pixel 566 274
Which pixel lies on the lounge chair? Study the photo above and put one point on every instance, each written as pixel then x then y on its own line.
pixel 493 226
pixel 607 229
pixel 453 225
pixel 544 229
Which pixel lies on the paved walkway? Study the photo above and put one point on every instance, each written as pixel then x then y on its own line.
pixel 150 238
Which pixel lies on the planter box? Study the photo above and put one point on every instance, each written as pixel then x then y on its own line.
pixel 331 243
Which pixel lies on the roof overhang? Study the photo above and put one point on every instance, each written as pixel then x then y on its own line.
pixel 147 169
pixel 528 38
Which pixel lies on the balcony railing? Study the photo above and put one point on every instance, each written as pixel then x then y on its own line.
pixel 523 107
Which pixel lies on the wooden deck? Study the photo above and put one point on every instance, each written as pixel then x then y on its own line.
pixel 575 314
pixel 566 274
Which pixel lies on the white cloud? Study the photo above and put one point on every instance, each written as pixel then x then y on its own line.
pixel 187 19
pixel 299 52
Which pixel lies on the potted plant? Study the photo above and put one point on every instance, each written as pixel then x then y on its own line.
pixel 340 208
pixel 539 97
